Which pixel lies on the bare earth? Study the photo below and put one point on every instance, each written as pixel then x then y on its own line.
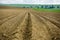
pixel 27 24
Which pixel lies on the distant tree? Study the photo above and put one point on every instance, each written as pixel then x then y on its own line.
pixel 46 6
pixel 37 6
pixel 41 6
pixel 31 7
pixel 52 6
pixel 58 6
pixel 23 6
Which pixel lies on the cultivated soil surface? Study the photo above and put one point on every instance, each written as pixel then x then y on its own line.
pixel 28 24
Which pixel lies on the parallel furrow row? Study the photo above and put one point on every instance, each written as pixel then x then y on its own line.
pixel 53 29
pixel 7 18
pixel 9 28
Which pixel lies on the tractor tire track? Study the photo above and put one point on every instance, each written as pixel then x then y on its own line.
pixel 27 35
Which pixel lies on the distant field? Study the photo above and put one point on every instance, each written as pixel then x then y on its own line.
pixel 18 5
pixel 47 10
pixel 30 5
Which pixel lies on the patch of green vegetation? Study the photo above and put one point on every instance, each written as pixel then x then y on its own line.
pixel 19 5
pixel 47 10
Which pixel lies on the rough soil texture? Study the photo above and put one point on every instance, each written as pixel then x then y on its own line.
pixel 27 24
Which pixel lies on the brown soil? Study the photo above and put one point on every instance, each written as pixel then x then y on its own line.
pixel 27 24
